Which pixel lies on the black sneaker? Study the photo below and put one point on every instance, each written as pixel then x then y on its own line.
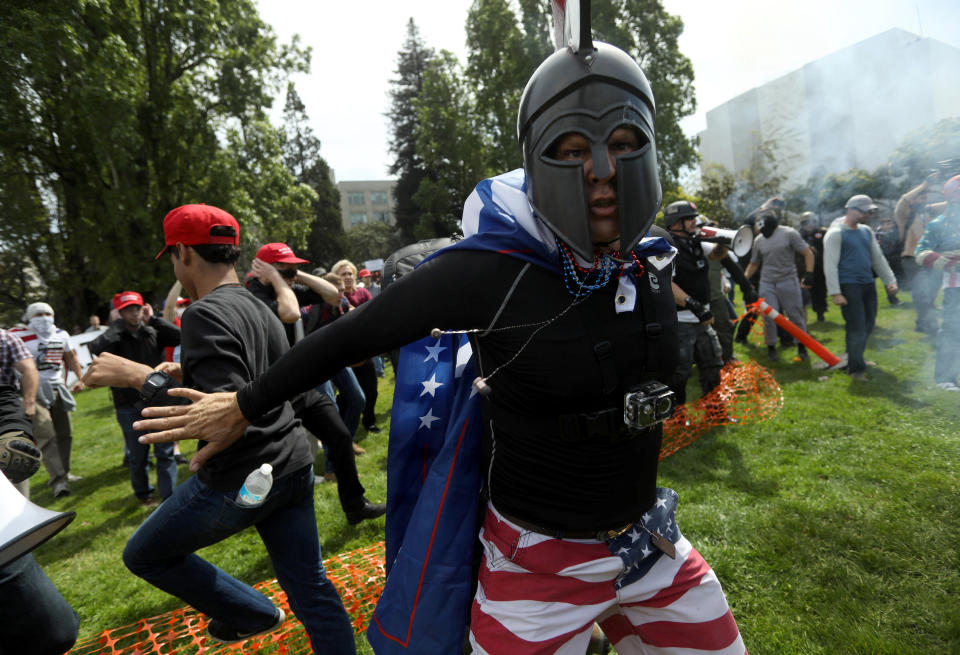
pixel 220 631
pixel 372 429
pixel 368 511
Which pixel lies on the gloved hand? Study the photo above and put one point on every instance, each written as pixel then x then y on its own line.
pixel 808 280
pixel 750 295
pixel 19 457
pixel 701 311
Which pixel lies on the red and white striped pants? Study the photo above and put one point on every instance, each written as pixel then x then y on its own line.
pixel 539 595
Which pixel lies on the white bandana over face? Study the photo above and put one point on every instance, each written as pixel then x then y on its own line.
pixel 43 326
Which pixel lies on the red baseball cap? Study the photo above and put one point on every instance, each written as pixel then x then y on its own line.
pixel 195 225
pixel 278 253
pixel 364 273
pixel 127 298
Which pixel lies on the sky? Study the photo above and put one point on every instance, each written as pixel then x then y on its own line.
pixel 734 46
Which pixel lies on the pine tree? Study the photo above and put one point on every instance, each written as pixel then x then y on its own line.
pixel 326 241
pixel 408 166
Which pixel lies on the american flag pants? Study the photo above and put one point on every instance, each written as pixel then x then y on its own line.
pixel 538 595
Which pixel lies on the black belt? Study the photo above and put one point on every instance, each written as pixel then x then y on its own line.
pixel 604 426
pixel 559 533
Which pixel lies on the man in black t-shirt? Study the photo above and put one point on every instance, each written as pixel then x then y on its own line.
pixel 229 337
pixel 139 336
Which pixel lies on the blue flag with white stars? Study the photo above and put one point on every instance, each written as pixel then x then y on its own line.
pixel 433 490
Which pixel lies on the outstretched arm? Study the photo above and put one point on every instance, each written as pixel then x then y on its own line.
pixel 432 296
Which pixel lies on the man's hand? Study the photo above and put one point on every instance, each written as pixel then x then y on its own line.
pixel 892 288
pixel 30 406
pixel 147 313
pixel 109 370
pixel 172 369
pixel 19 457
pixel 266 273
pixel 701 311
pixel 838 299
pixel 216 418
pixel 808 280
pixel 77 386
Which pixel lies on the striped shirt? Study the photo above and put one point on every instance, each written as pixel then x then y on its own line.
pixel 12 351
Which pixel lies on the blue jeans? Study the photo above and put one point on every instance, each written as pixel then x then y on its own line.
pixel 947 368
pixel 34 616
pixel 351 397
pixel 161 552
pixel 138 457
pixel 860 315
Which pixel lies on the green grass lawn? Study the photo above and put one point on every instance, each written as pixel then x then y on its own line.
pixel 833 526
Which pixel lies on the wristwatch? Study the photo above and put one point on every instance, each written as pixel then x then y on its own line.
pixel 154 384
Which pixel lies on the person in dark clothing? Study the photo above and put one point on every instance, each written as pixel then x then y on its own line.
pixel 229 337
pixel 691 290
pixel 274 286
pixel 818 291
pixel 568 308
pixel 141 337
pixel 35 618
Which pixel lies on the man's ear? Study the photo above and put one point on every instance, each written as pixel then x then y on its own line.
pixel 185 253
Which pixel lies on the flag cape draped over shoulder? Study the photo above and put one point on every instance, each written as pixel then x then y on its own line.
pixel 433 476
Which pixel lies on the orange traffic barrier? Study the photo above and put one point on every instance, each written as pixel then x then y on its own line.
pixel 762 307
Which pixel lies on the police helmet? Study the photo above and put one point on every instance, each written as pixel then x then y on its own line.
pixel 677 211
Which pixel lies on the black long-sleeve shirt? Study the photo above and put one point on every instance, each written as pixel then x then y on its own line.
pixel 534 473
pixel 144 346
pixel 230 338
pixel 267 294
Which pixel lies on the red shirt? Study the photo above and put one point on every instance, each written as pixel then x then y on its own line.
pixel 358 296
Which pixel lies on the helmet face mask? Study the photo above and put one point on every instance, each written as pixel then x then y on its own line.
pixel 591 96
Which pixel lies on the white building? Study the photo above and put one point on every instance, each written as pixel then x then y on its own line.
pixel 850 109
pixel 366 201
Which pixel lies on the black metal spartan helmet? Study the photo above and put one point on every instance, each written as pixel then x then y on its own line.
pixel 592 93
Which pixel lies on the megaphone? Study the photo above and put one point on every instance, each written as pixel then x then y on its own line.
pixel 23 525
pixel 739 241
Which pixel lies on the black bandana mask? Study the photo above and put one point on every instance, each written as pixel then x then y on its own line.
pixel 767 225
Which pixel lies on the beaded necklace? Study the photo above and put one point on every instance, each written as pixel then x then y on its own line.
pixel 581 281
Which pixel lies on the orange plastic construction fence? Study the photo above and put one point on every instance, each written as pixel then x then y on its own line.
pixel 358 576
pixel 748 393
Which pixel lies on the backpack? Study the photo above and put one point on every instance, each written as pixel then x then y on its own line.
pixel 890 242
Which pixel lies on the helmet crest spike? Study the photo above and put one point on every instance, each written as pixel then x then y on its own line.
pixel 571 25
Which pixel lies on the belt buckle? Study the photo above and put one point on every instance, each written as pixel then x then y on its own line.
pixel 604 535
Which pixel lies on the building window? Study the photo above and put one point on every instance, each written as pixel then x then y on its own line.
pixel 358 218
pixel 355 198
pixel 383 217
pixel 378 198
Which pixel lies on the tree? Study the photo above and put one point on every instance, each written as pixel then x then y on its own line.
pixel 412 61
pixel 371 241
pixel 449 140
pixel 326 240
pixel 922 149
pixel 113 113
pixel 717 185
pixel 645 30
pixel 497 70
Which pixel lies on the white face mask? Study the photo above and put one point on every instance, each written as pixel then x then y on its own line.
pixel 42 325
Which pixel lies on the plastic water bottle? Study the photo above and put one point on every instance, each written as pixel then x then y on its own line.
pixel 256 487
